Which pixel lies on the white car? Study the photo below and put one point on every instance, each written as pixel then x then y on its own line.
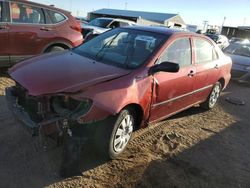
pixel 100 25
pixel 220 40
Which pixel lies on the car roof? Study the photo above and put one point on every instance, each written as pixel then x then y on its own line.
pixel 40 5
pixel 161 30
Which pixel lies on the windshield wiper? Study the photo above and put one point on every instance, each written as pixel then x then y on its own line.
pixel 108 43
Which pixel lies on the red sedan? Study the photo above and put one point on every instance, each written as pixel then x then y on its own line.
pixel 118 82
pixel 28 29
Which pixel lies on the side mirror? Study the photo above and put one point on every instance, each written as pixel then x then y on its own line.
pixel 164 67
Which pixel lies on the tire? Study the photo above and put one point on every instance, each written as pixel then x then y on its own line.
pixel 111 141
pixel 55 49
pixel 213 97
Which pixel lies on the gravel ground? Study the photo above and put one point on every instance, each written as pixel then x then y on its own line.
pixel 195 148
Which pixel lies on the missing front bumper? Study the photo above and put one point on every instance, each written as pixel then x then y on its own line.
pixel 48 126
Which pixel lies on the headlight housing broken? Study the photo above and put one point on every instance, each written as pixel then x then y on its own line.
pixel 68 107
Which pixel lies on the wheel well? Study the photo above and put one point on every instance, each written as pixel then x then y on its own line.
pixel 57 44
pixel 139 112
pixel 222 82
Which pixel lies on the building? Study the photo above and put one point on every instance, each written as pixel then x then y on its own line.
pixel 142 18
pixel 239 32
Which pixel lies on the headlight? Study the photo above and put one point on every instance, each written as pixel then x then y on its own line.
pixel 68 107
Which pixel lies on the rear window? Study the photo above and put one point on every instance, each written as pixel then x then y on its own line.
pixel 56 17
pixel 22 13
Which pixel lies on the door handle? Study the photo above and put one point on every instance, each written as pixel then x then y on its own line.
pixel 46 29
pixel 2 27
pixel 191 73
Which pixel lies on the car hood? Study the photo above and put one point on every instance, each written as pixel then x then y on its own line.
pixel 62 72
pixel 240 60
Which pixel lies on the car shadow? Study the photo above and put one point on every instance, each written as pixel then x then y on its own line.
pixel 189 112
pixel 221 160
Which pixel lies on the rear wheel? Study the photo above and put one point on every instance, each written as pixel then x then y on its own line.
pixel 112 140
pixel 213 97
pixel 55 49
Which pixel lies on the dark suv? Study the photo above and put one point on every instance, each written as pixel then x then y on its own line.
pixel 28 29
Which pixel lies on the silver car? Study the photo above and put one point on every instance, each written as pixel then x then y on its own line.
pixel 240 54
pixel 100 25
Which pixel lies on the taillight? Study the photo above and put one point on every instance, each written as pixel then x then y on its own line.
pixel 77 26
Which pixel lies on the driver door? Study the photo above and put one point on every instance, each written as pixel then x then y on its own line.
pixel 173 91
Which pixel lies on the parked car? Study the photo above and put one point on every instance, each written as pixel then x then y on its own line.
pixel 239 40
pixel 28 29
pixel 240 54
pixel 116 83
pixel 220 40
pixel 83 21
pixel 100 25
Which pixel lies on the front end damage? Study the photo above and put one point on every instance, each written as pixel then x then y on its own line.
pixel 60 118
pixel 48 115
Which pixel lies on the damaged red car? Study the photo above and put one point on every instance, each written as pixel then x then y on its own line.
pixel 118 82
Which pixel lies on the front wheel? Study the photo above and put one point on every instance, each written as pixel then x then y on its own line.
pixel 116 137
pixel 213 97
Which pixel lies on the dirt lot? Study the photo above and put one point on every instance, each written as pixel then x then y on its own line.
pixel 193 149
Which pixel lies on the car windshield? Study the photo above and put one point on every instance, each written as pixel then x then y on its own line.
pixel 126 48
pixel 100 22
pixel 238 49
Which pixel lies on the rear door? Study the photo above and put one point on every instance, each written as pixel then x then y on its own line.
pixel 4 35
pixel 27 31
pixel 173 91
pixel 207 68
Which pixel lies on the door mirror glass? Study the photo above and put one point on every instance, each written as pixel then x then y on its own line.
pixel 164 67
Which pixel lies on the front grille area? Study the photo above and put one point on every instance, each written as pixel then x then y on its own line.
pixel 35 107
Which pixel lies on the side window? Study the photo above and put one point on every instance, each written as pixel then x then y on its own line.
pixel 114 25
pixel 178 52
pixel 204 51
pixel 123 24
pixel 21 13
pixel 56 17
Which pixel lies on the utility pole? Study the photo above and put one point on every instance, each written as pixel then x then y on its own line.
pixel 224 20
pixel 108 3
pixel 126 5
pixel 70 6
pixel 205 25
pixel 244 21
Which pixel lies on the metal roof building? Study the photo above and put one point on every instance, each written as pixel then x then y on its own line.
pixel 140 17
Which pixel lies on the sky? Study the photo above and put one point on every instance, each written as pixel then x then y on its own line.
pixel 235 12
